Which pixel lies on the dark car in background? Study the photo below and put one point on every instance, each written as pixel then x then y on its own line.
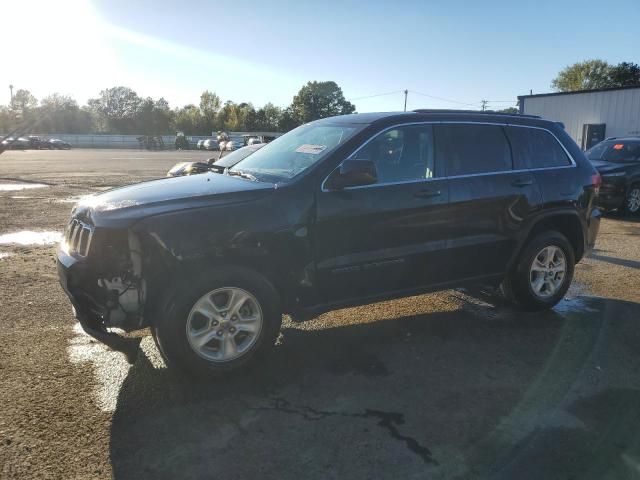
pixel 12 143
pixel 618 161
pixel 341 211
pixel 216 164
pixel 57 144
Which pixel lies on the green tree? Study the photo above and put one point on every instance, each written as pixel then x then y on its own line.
pixel 189 120
pixel 510 110
pixel 117 108
pixel 625 74
pixel 585 75
pixel 154 117
pixel 209 106
pixel 61 114
pixel 229 117
pixel 246 117
pixel 287 120
pixel 319 100
pixel 23 101
pixel 268 118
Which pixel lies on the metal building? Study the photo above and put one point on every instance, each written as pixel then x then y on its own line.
pixel 589 116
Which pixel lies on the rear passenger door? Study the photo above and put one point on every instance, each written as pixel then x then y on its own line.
pixel 539 151
pixel 488 199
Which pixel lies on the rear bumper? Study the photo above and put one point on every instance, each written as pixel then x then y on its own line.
pixel 593 226
pixel 74 275
pixel 611 195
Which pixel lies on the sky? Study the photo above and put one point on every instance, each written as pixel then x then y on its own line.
pixel 448 53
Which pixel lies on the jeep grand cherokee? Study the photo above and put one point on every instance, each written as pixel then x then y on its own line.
pixel 342 211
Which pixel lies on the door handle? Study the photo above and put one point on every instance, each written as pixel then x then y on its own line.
pixel 428 193
pixel 522 182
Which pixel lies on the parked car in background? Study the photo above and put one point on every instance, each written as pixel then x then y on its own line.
pixel 232 145
pixel 213 164
pixel 57 144
pixel 200 144
pixel 210 144
pixel 342 211
pixel 618 161
pixel 12 143
pixel 36 142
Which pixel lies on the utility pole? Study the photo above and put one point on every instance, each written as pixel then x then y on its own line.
pixel 406 92
pixel 11 90
pixel 484 104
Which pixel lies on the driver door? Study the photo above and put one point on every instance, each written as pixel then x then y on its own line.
pixel 389 236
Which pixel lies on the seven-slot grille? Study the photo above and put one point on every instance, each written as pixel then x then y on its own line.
pixel 79 236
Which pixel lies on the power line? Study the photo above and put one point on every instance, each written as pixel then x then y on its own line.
pixel 441 98
pixel 376 95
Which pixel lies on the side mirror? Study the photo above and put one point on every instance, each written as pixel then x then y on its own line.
pixel 353 173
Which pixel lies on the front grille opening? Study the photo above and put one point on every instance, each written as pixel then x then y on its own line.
pixel 79 236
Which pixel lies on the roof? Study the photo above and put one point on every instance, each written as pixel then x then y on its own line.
pixel 574 92
pixel 431 115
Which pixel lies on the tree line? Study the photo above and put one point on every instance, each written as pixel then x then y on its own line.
pixel 120 110
pixel 595 73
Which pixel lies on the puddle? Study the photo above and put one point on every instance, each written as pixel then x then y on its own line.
pixel 27 237
pixel 13 187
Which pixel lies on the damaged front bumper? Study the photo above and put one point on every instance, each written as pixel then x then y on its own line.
pixel 79 281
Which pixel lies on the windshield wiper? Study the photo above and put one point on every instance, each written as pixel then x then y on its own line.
pixel 240 173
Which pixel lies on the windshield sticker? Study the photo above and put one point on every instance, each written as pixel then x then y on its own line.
pixel 312 149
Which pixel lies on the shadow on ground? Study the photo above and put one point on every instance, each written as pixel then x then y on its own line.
pixel 472 393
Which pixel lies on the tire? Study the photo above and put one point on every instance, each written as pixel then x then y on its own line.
pixel 520 284
pixel 179 320
pixel 632 200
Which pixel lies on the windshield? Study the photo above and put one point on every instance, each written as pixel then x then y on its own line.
pixel 615 151
pixel 296 151
pixel 236 156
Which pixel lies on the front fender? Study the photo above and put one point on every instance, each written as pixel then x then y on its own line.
pixel 271 236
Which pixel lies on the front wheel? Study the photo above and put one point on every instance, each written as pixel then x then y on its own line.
pixel 543 272
pixel 220 324
pixel 632 201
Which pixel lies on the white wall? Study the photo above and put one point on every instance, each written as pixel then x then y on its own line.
pixel 618 109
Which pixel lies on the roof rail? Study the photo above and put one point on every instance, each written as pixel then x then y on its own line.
pixel 483 112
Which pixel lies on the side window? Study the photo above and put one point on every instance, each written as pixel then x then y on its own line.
pixel 401 154
pixel 623 152
pixel 536 148
pixel 467 149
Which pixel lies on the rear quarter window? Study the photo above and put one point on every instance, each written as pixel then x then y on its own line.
pixel 536 148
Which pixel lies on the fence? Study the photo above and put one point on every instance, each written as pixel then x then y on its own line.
pixel 131 141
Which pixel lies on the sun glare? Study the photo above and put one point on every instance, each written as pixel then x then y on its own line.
pixel 63 39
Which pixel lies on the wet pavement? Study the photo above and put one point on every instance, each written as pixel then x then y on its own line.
pixel 451 385
pixel 27 237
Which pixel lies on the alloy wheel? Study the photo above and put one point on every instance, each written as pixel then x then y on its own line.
pixel 547 271
pixel 633 200
pixel 224 324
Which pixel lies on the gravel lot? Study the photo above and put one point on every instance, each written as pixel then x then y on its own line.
pixel 446 385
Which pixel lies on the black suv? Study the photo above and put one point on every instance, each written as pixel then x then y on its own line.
pixel 341 211
pixel 618 161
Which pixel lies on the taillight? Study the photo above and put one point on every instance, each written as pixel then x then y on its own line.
pixel 596 181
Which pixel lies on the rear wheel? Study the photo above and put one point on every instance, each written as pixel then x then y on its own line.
pixel 220 324
pixel 543 273
pixel 632 201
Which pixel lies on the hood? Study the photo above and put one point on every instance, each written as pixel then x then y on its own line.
pixel 609 167
pixel 133 202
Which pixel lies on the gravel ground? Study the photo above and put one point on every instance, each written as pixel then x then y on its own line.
pixel 446 385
